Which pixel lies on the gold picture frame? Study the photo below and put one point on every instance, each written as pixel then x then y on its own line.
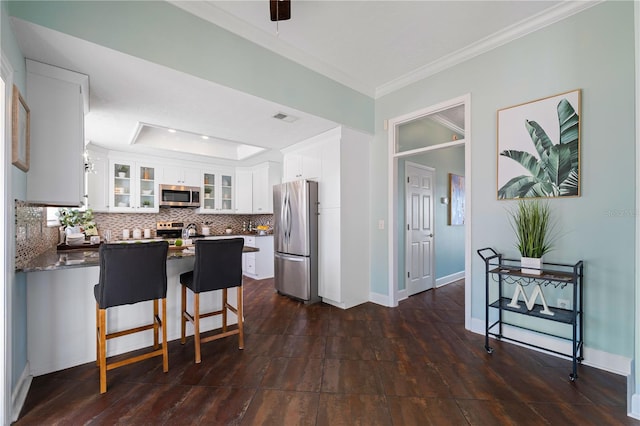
pixel 539 148
pixel 20 131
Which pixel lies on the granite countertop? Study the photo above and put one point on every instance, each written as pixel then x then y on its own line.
pixel 53 260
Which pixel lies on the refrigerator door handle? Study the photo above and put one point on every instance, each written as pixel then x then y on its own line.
pixel 283 217
pixel 291 258
pixel 287 221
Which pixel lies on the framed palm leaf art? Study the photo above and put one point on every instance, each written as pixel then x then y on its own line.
pixel 539 148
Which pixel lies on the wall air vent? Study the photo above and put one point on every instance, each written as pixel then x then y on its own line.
pixel 285 117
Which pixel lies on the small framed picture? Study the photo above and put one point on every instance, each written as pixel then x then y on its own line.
pixel 20 137
pixel 456 199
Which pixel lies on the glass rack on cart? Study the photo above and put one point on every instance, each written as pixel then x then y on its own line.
pixel 511 296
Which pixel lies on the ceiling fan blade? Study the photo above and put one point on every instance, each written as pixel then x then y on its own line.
pixel 280 10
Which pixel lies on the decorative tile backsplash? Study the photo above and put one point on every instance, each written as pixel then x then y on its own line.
pixel 33 237
pixel 116 222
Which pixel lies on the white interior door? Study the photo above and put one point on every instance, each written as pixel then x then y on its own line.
pixel 419 225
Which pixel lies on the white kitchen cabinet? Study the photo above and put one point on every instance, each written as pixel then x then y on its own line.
pixel 97 181
pixel 259 265
pixel 343 222
pixel 217 192
pixel 302 162
pixel 133 187
pixel 58 100
pixel 244 191
pixel 265 176
pixel 172 175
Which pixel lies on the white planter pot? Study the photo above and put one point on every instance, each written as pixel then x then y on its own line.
pixel 527 263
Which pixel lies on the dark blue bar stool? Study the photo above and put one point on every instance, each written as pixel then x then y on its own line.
pixel 131 273
pixel 218 266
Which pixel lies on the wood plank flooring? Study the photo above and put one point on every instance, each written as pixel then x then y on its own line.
pixel 320 365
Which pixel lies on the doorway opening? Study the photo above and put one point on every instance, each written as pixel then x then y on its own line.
pixel 438 137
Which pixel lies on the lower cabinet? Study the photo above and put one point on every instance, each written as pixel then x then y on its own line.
pixel 259 265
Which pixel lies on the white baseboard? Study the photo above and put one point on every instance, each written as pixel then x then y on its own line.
pixel 380 299
pixel 19 394
pixel 634 409
pixel 612 363
pixel 449 279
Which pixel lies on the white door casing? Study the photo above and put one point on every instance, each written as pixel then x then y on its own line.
pixel 394 293
pixel 419 254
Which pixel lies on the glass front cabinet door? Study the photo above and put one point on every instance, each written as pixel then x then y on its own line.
pixel 217 193
pixel 209 197
pixel 133 187
pixel 147 197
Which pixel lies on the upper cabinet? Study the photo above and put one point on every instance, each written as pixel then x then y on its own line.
pixel 254 188
pixel 303 162
pixel 265 176
pixel 58 100
pixel 181 176
pixel 244 191
pixel 133 187
pixel 217 192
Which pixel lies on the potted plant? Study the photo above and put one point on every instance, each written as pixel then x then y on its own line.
pixel 531 221
pixel 121 170
pixel 76 222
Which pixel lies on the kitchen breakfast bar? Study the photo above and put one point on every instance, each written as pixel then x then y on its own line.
pixel 61 329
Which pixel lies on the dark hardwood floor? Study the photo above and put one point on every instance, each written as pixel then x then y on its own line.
pixel 319 365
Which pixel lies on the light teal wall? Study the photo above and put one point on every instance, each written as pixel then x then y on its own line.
pixel 162 33
pixel 593 51
pixel 18 184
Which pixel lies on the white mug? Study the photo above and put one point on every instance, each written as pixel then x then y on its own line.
pixel 125 234
pixel 147 233
pixel 95 239
pixel 137 234
pixel 205 230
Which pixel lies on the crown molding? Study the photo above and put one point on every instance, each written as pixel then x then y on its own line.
pixel 502 37
pixel 270 41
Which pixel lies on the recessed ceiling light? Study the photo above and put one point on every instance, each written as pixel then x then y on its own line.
pixel 171 130
pixel 205 137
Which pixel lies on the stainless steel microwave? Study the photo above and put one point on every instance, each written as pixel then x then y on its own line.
pixel 179 196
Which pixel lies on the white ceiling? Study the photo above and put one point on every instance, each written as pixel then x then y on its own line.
pixel 371 46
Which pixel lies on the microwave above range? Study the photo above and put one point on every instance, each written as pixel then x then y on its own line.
pixel 179 196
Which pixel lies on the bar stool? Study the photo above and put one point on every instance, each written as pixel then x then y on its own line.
pixel 131 273
pixel 218 266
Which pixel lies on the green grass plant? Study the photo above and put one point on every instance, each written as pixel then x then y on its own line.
pixel 531 221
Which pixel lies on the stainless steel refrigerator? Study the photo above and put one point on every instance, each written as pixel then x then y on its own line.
pixel 295 239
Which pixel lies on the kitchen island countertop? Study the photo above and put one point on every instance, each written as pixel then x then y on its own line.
pixel 53 260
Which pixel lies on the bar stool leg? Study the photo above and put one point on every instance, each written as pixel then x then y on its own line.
pixel 224 310
pixel 97 335
pixel 102 352
pixel 240 320
pixel 163 324
pixel 183 313
pixel 196 325
pixel 155 323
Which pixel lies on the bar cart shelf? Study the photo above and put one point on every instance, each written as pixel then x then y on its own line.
pixel 507 273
